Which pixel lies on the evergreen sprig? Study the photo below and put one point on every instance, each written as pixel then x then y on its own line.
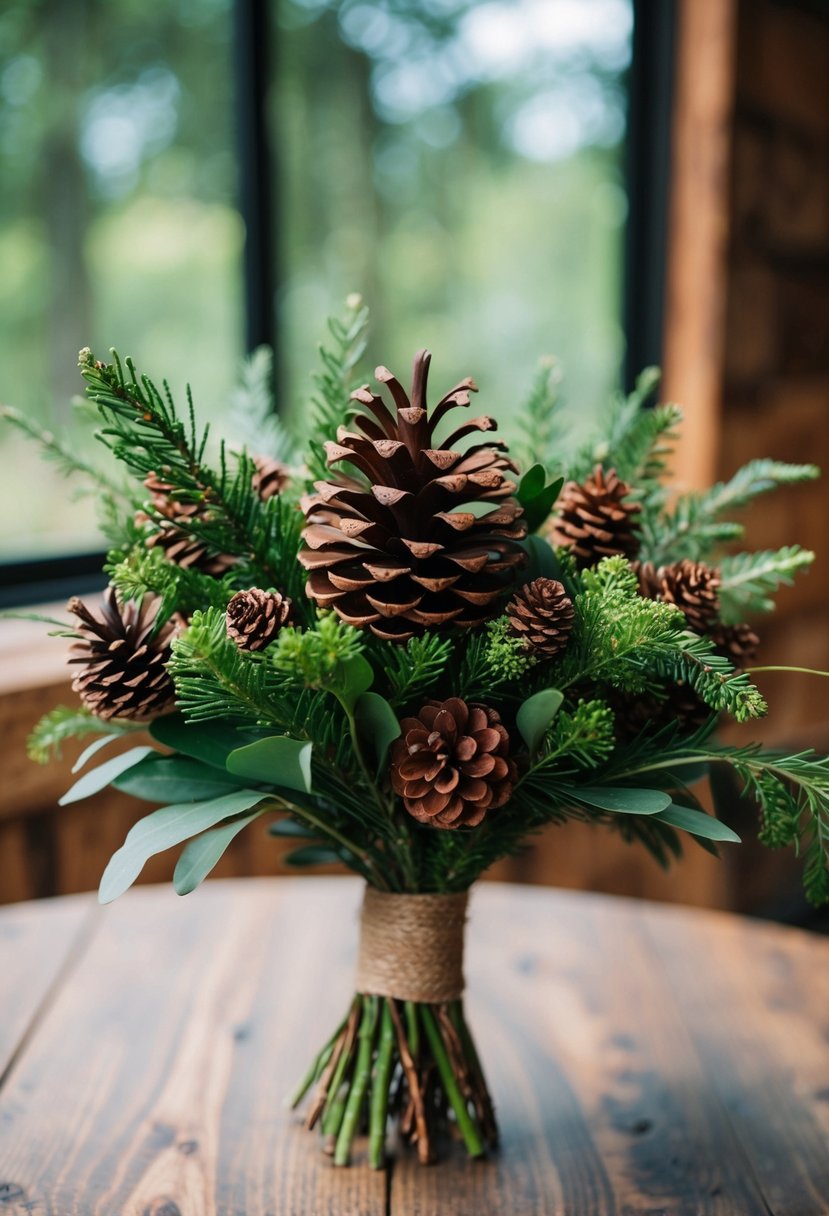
pixel 143 571
pixel 633 644
pixel 252 419
pixel 626 435
pixel 145 432
pixel 540 433
pixel 69 722
pixel 335 381
pixel 749 580
pixel 411 670
pixel 215 679
pixel 695 526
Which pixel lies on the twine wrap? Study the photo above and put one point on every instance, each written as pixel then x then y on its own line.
pixel 411 946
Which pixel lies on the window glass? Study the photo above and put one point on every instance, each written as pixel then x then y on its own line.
pixel 459 163
pixel 117 223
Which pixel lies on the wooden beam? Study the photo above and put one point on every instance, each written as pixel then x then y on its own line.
pixel 696 273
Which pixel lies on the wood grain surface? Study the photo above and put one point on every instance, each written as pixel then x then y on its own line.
pixel 644 1060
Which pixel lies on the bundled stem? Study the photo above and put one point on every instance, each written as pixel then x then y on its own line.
pixel 410 1060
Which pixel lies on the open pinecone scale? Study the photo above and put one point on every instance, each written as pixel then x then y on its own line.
pixel 419 535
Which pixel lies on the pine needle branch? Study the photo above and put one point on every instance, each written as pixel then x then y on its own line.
pixel 748 580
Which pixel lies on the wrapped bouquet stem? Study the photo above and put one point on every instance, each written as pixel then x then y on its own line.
pixel 405 1048
pixel 405 654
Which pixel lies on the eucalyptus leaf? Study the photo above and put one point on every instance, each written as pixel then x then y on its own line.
pixel 354 677
pixel 378 722
pixel 162 829
pixel 199 856
pixel 105 774
pixel 93 749
pixel 210 742
pixel 277 759
pixel 622 799
pixel 698 823
pixel 536 714
pixel 175 779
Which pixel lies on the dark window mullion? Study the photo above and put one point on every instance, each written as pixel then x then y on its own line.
pixel 647 172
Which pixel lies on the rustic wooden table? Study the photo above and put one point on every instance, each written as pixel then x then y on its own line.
pixel 643 1059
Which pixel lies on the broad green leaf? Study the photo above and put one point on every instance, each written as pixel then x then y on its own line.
pixel 536 714
pixel 312 855
pixel 538 508
pixel 532 483
pixel 199 856
pixel 210 742
pixel 93 749
pixel 175 779
pixel 105 774
pixel 278 760
pixel 162 829
pixel 378 723
pixel 698 823
pixel 354 677
pixel 543 562
pixel 622 799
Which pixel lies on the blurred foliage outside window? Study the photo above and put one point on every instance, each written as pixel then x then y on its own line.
pixel 457 162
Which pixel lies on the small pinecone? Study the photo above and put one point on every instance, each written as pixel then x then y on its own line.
pixel 541 615
pixel 451 764
pixel 271 477
pixel 178 545
pixel 123 671
pixel 738 643
pixel 594 521
pixel 398 550
pixel 690 586
pixel 161 496
pixel 189 552
pixel 255 617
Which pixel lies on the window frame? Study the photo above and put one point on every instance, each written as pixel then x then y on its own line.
pixel 647 172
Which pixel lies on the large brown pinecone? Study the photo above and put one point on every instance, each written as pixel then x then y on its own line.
pixel 594 520
pixel 270 477
pixel 541 615
pixel 691 586
pixel 178 546
pixel 255 617
pixel 123 670
pixel 394 548
pixel 451 764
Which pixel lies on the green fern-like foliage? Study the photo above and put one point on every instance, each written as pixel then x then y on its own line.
pixel 697 524
pixel 252 419
pixel 66 722
pixel 540 431
pixel 749 580
pixel 335 381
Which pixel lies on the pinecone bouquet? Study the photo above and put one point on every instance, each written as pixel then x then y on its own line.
pixel 390 647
